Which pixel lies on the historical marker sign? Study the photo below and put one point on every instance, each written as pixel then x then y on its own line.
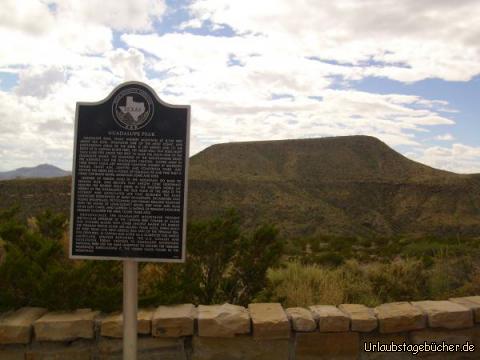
pixel 130 177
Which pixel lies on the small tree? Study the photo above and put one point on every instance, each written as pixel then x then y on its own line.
pixel 223 264
pixel 255 254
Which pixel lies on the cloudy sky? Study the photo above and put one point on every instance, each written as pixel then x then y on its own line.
pixel 407 72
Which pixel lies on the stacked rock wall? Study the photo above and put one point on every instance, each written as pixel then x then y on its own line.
pixel 260 331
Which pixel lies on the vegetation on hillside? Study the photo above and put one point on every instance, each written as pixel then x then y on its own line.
pixel 335 270
pixel 33 196
pixel 353 186
pixel 226 263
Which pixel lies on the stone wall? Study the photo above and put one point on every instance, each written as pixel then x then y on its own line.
pixel 261 331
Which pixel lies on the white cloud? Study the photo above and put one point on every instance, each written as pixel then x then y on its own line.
pixel 36 124
pixel 415 40
pixel 21 142
pixel 67 43
pixel 190 24
pixel 458 157
pixel 60 32
pixel 445 137
pixel 137 15
pixel 19 15
pixel 127 64
pixel 39 81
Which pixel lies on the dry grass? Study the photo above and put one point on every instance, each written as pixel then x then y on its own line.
pixel 303 285
pixel 370 284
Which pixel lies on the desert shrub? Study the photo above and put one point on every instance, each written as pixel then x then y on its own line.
pixel 358 287
pixel 381 241
pixel 296 284
pixel 436 246
pixel 328 258
pixel 471 285
pixel 293 248
pixel 452 275
pixel 35 271
pixel 401 279
pixel 365 242
pixel 255 254
pixel 223 264
pixel 342 243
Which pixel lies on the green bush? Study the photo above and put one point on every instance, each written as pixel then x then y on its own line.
pixel 223 264
pixel 35 271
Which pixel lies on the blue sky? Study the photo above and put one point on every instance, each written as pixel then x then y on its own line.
pixel 406 72
pixel 462 96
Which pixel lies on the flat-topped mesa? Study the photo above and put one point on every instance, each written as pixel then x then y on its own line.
pixel 342 158
pixel 355 186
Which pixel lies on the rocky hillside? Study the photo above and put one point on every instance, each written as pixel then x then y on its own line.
pixel 354 185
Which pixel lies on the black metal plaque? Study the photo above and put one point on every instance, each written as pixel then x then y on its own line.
pixel 130 177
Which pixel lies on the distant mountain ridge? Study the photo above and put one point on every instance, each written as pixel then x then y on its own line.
pixel 39 171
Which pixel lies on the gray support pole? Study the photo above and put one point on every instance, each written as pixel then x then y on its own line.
pixel 130 303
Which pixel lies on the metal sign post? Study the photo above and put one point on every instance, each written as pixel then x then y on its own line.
pixel 130 302
pixel 129 186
